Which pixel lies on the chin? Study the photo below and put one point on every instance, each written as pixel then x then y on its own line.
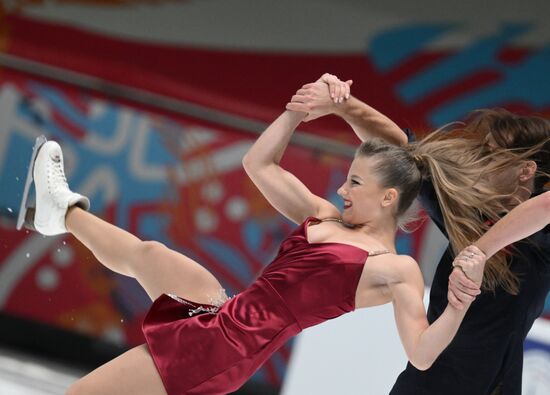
pixel 346 216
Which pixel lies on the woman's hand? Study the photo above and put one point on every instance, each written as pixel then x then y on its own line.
pixel 321 97
pixel 465 280
pixel 339 90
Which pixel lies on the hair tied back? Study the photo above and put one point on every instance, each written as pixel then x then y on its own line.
pixel 419 161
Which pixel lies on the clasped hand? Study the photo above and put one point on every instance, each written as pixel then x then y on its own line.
pixel 466 277
pixel 321 97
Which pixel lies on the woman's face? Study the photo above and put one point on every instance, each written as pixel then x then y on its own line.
pixel 361 192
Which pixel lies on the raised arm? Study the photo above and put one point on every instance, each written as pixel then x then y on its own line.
pixel 286 193
pixel 522 221
pixel 422 342
pixel 325 97
pixel 367 122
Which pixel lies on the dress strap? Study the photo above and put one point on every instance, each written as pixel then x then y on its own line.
pixel 379 252
pixel 330 220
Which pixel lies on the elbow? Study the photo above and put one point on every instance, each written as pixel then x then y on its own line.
pixel 246 161
pixel 421 364
pixel 250 165
pixel 253 165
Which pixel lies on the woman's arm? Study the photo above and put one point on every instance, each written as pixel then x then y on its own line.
pixel 283 190
pixel 422 342
pixel 316 100
pixel 524 220
pixel 367 122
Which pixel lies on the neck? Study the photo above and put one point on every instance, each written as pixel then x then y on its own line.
pixel 382 230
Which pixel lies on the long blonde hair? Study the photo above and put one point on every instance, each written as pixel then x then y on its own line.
pixel 461 163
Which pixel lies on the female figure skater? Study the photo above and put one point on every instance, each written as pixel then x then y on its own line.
pixel 201 342
pixel 486 354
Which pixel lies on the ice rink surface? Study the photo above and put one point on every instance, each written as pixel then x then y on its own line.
pixel 23 374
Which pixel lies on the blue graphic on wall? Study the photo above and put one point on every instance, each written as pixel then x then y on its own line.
pixel 525 81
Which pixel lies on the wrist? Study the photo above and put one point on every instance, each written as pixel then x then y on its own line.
pixel 295 116
pixel 343 109
pixel 484 247
pixel 457 313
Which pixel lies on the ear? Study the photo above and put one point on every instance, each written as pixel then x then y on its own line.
pixel 527 171
pixel 390 197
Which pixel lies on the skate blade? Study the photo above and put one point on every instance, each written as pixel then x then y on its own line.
pixel 25 211
pixel 28 222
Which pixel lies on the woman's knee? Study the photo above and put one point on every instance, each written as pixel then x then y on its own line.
pixel 152 248
pixel 147 253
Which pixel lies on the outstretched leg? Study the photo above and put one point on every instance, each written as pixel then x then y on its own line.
pixel 157 268
pixel 132 373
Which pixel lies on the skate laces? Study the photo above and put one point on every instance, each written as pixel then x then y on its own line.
pixel 56 176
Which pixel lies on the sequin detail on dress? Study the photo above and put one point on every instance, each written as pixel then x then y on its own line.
pixel 215 303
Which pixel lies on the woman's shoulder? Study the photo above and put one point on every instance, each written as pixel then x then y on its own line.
pixel 401 261
pixel 402 269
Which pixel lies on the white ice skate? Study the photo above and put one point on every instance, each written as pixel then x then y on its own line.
pixel 52 193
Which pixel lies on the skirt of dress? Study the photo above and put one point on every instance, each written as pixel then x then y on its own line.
pixel 205 349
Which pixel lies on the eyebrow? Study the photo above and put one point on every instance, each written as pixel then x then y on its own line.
pixel 356 176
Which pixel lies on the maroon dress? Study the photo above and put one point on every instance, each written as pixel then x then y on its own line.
pixel 216 350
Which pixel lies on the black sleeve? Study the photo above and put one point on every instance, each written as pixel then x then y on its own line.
pixel 427 195
pixel 430 204
pixel 411 137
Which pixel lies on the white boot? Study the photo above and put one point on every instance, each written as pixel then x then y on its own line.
pixel 53 196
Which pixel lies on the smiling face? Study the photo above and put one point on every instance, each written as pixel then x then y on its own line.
pixel 365 200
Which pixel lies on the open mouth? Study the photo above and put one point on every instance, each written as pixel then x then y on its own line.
pixel 347 204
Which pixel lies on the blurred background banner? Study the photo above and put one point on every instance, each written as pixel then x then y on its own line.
pixel 536 379
pixel 155 103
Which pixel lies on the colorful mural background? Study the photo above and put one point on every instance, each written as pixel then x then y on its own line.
pixel 179 179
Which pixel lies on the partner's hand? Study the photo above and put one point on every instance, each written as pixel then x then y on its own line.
pixel 471 260
pixel 462 290
pixel 466 277
pixel 316 98
pixel 339 90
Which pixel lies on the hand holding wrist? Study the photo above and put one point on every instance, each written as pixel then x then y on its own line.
pixel 471 260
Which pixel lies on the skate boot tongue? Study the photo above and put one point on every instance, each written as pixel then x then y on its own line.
pixel 56 176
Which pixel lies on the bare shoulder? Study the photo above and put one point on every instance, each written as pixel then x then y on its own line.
pixel 405 269
pixel 406 262
pixel 399 262
pixel 393 268
pixel 388 275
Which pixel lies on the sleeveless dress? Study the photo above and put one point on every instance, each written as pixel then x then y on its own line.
pixel 203 349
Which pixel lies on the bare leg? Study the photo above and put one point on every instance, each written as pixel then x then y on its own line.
pixel 132 373
pixel 158 269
